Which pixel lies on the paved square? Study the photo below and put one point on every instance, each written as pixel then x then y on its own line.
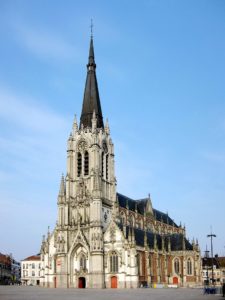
pixel 38 293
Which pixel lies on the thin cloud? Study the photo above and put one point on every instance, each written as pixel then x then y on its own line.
pixel 215 157
pixel 23 111
pixel 44 44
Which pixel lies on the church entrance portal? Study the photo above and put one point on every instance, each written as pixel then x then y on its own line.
pixel 81 283
pixel 175 280
pixel 114 282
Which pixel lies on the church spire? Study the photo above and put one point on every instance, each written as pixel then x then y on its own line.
pixel 91 101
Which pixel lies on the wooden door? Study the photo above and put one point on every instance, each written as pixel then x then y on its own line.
pixel 175 280
pixel 114 282
pixel 81 283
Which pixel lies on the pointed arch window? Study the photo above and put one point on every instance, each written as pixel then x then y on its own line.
pixel 107 166
pixel 140 264
pixel 189 266
pixel 103 165
pixel 176 266
pixel 82 262
pixel 113 263
pixel 86 163
pixel 79 164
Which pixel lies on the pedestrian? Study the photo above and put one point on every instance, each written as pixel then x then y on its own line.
pixel 223 289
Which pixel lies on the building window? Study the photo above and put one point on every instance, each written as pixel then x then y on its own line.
pixel 82 262
pixel 86 163
pixel 139 263
pixel 107 166
pixel 189 266
pixel 176 266
pixel 103 173
pixel 113 262
pixel 79 164
pixel 33 273
pixel 33 266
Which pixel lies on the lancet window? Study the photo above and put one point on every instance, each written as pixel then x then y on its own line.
pixel 103 165
pixel 107 166
pixel 86 163
pixel 189 266
pixel 79 164
pixel 113 263
pixel 176 265
pixel 82 262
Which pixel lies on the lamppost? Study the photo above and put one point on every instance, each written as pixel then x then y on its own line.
pixel 211 235
pixel 206 265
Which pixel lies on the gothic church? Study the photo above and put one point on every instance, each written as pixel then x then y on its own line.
pixel 103 239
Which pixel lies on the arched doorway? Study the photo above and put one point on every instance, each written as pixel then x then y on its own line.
pixel 114 282
pixel 81 283
pixel 175 280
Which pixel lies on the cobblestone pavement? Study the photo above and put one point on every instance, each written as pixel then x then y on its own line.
pixel 37 293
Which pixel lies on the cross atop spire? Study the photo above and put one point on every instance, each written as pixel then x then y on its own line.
pixel 91 101
pixel 91 26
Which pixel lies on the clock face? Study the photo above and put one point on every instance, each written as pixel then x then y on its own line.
pixel 106 217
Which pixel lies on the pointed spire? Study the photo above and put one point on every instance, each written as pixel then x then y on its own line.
pixel 62 186
pixel 183 243
pixel 75 126
pixel 91 99
pixel 107 130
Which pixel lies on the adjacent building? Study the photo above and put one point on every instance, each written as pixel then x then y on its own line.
pixel 5 269
pixel 102 238
pixel 213 270
pixel 9 270
pixel 30 270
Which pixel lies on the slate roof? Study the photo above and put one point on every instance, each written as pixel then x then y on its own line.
pixel 176 240
pixel 221 261
pixel 91 100
pixel 124 201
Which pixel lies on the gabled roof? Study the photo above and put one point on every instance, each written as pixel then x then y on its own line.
pixel 141 204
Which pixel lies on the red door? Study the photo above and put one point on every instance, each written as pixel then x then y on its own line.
pixel 175 280
pixel 54 282
pixel 81 283
pixel 114 282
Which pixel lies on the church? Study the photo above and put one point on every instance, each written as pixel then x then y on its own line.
pixel 103 239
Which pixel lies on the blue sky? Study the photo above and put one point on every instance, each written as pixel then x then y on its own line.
pixel 161 76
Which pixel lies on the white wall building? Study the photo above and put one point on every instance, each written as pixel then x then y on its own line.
pixel 31 270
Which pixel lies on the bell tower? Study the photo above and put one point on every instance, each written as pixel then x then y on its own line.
pixel 90 184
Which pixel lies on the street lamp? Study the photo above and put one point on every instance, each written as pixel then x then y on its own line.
pixel 211 237
pixel 206 265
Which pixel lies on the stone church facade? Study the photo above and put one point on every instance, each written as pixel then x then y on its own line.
pixel 103 239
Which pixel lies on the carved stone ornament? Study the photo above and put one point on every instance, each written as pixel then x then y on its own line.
pixel 83 195
pixel 104 147
pixel 82 146
pixel 112 233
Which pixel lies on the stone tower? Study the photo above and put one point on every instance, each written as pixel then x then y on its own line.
pixel 86 195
